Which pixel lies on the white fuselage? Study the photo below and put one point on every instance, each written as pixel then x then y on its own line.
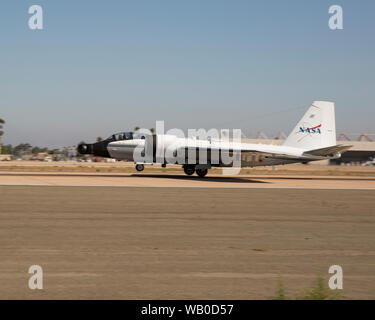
pixel 270 154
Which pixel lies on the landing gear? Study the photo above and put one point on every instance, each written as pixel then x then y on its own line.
pixel 201 172
pixel 189 169
pixel 139 167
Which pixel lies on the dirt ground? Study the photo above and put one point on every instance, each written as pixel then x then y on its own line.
pixel 183 243
pixel 128 167
pixel 180 180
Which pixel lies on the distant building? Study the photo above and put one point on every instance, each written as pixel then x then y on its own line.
pixel 5 157
pixel 42 156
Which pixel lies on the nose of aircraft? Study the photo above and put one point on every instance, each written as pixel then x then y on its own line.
pixel 85 148
pixel 96 149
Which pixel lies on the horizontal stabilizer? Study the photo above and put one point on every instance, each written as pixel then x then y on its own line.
pixel 327 151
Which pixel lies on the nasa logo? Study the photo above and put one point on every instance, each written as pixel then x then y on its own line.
pixel 315 129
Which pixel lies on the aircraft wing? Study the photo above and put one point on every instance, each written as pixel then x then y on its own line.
pixel 246 153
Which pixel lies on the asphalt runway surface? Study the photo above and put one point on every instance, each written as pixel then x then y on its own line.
pixel 231 239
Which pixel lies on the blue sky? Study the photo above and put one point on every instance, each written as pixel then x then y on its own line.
pixel 106 66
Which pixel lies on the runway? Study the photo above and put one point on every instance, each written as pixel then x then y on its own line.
pixel 231 239
pixel 183 181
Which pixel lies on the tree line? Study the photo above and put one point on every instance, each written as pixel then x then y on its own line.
pixel 26 148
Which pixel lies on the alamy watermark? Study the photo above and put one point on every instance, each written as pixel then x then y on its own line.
pixel 36 280
pixel 200 147
pixel 336 20
pixel 336 281
pixel 36 20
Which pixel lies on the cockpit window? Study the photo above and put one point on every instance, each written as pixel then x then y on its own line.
pixel 121 136
pixel 128 135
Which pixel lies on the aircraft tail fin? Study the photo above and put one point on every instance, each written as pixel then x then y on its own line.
pixel 316 129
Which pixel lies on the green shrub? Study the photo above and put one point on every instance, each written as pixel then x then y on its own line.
pixel 320 292
pixel 280 292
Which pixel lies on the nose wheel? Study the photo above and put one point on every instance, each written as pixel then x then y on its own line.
pixel 139 167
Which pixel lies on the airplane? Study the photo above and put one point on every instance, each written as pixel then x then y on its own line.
pixel 312 139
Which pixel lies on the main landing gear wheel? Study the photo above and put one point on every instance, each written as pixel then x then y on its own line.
pixel 202 172
pixel 139 167
pixel 189 170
